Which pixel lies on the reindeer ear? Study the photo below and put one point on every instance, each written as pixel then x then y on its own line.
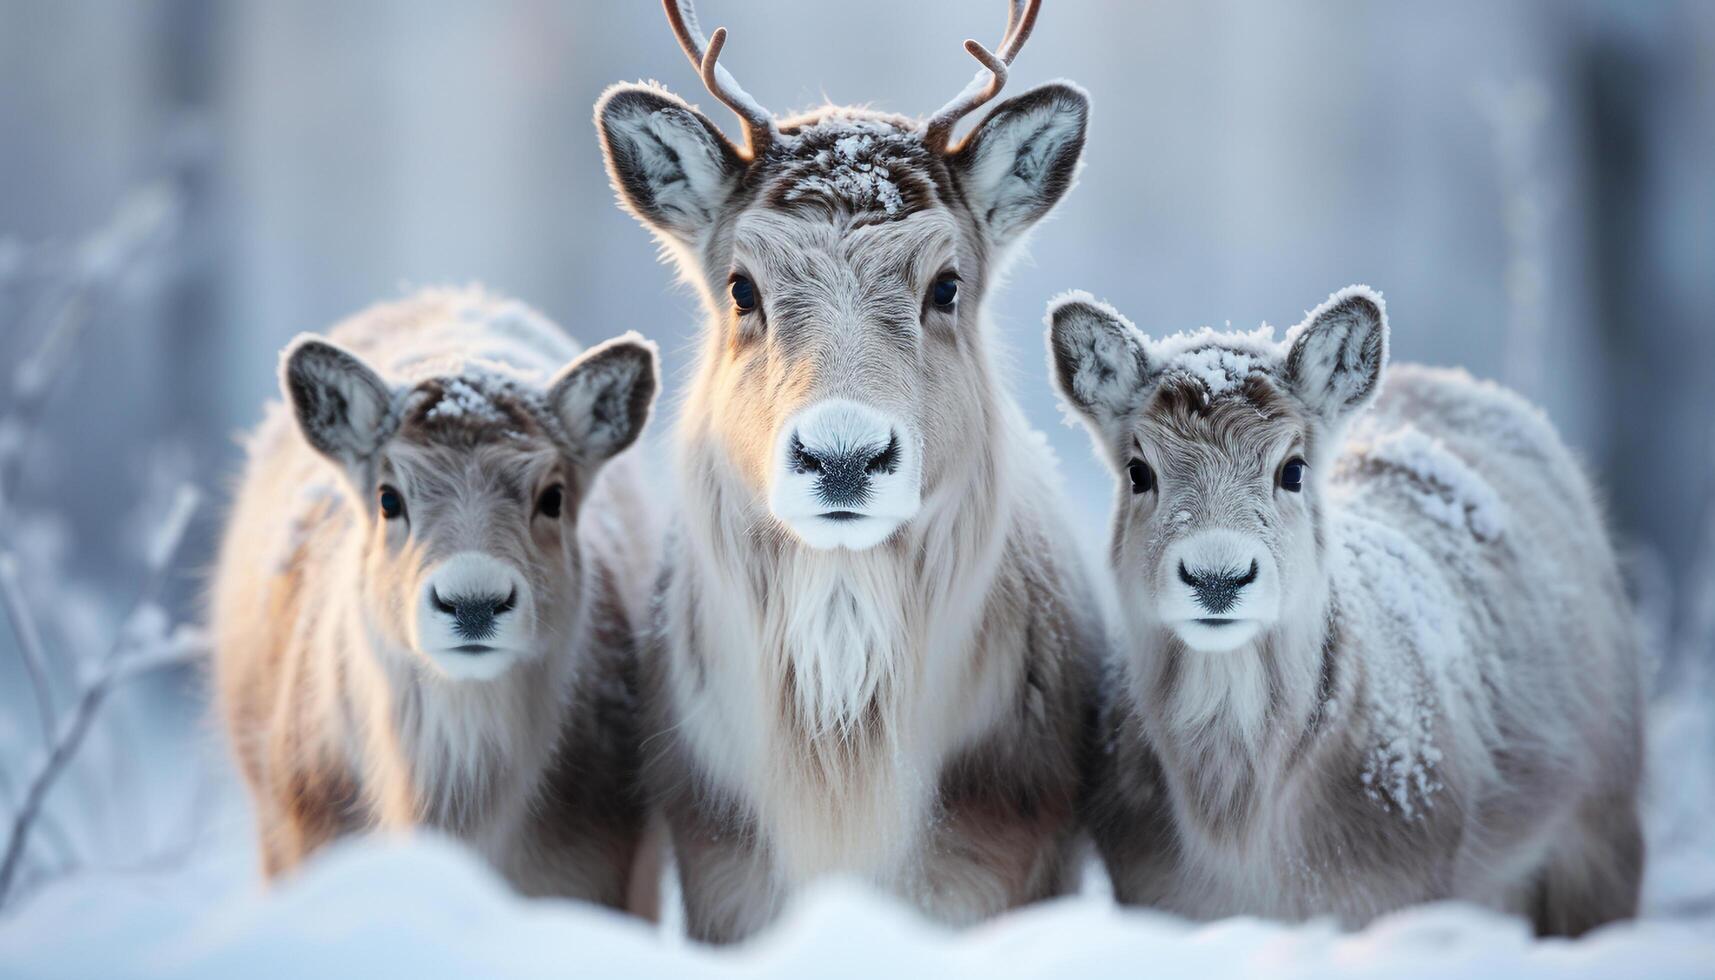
pixel 1098 361
pixel 670 166
pixel 1023 157
pixel 341 405
pixel 603 398
pixel 1339 352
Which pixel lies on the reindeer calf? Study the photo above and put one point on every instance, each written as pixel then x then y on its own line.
pixel 1362 669
pixel 425 600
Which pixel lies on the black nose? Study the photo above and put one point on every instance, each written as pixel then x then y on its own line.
pixel 845 472
pixel 1217 590
pixel 474 615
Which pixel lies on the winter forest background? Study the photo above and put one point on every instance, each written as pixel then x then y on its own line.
pixel 185 184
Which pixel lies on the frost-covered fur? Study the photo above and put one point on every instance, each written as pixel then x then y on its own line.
pixel 905 706
pixel 1429 687
pixel 351 700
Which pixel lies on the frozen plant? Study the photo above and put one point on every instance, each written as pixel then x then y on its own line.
pixel 53 294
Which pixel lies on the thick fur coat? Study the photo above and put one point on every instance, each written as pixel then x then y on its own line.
pixel 898 694
pixel 1423 685
pixel 344 712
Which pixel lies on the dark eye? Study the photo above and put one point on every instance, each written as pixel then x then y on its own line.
pixel 743 293
pixel 1292 474
pixel 548 505
pixel 392 504
pixel 946 291
pixel 1142 477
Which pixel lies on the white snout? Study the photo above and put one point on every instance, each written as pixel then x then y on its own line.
pixel 845 475
pixel 475 616
pixel 1217 589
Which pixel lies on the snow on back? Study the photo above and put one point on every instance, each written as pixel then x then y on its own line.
pixel 1444 486
pixel 1392 595
pixel 440 333
pixel 483 352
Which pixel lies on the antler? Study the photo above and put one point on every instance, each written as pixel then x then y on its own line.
pixel 759 128
pixel 1020 19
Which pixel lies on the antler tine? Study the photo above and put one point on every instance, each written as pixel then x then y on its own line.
pixel 1020 21
pixel 759 128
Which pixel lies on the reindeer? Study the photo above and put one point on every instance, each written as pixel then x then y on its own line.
pixel 1374 655
pixel 872 630
pixel 425 603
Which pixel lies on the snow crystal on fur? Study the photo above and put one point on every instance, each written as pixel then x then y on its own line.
pixel 1220 362
pixel 1447 488
pixel 459 399
pixel 853 160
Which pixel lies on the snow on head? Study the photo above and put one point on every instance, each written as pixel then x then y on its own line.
pixel 462 400
pixel 855 160
pixel 1220 369
pixel 1219 362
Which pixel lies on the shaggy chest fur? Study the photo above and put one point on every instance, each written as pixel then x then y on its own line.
pixel 473 756
pixel 811 712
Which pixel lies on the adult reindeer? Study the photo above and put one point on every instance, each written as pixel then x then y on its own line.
pixel 872 629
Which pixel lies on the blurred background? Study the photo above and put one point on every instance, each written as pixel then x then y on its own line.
pixel 186 184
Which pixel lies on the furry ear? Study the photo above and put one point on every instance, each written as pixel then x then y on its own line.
pixel 1023 157
pixel 1339 353
pixel 1098 361
pixel 603 398
pixel 670 166
pixel 343 408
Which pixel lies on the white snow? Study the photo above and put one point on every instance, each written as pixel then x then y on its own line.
pixel 459 399
pixel 1389 589
pixel 1220 369
pixel 856 170
pixel 1447 489
pixel 423 908
pixel 1219 360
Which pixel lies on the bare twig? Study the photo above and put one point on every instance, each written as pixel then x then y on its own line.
pixel 69 284
pixel 147 219
pixel 114 668
pixel 183 647
pixel 29 643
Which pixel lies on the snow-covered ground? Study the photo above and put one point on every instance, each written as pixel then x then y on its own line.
pixel 424 908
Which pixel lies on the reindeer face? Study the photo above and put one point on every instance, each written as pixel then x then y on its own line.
pixel 843 257
pixel 472 569
pixel 1218 540
pixel 468 489
pixel 1218 527
pixel 840 381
